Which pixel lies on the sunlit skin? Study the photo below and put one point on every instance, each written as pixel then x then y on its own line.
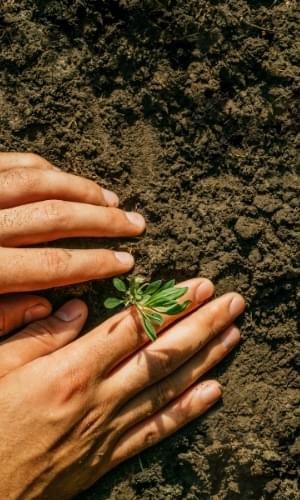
pixel 66 414
pixel 40 203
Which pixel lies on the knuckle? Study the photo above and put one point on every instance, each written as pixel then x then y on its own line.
pixel 132 324
pixel 70 382
pixel 74 383
pixel 8 219
pixel 55 261
pixel 32 160
pixel 59 386
pixel 161 395
pixel 164 364
pixel 55 212
pixel 19 177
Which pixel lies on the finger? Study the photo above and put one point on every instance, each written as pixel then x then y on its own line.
pixel 24 160
pixel 187 407
pixel 178 344
pixel 123 334
pixel 17 310
pixel 38 268
pixel 43 337
pixel 54 219
pixel 159 395
pixel 20 186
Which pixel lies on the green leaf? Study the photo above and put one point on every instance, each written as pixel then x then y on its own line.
pixel 167 295
pixel 173 293
pixel 178 308
pixel 168 284
pixel 154 317
pixel 119 285
pixel 152 287
pixel 163 304
pixel 145 298
pixel 112 302
pixel 149 329
pixel 151 299
pixel 164 309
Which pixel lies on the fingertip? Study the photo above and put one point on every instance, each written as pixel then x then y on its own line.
pixel 208 392
pixel 236 305
pixel 136 220
pixel 126 259
pixel 73 310
pixel 204 290
pixel 110 198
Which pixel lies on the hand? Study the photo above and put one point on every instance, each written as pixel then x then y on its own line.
pixel 39 203
pixel 71 410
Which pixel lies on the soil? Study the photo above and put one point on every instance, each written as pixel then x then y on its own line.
pixel 187 109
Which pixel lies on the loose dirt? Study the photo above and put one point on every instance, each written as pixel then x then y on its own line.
pixel 188 110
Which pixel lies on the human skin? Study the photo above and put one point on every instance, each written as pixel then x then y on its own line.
pixel 73 408
pixel 40 203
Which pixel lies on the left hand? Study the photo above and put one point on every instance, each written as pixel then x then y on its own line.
pixel 40 203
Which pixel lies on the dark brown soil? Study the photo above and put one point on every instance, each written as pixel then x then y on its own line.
pixel 188 110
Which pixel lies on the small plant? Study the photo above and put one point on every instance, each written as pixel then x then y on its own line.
pixel 152 300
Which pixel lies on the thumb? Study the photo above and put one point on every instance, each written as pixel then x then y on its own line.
pixel 43 337
pixel 18 309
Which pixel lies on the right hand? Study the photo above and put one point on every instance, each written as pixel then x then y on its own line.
pixel 71 410
pixel 40 203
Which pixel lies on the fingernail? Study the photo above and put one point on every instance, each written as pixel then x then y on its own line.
pixel 210 392
pixel 204 291
pixel 230 338
pixel 34 312
pixel 125 258
pixel 70 311
pixel 136 219
pixel 111 198
pixel 236 305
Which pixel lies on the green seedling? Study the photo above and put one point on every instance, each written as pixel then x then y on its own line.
pixel 152 300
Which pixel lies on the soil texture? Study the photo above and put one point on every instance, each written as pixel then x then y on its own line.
pixel 188 109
